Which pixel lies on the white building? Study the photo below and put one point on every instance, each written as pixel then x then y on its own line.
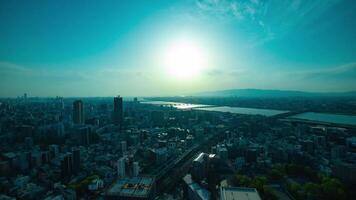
pixel 240 193
pixel 96 184
pixel 194 190
pixel 121 167
pixel 136 169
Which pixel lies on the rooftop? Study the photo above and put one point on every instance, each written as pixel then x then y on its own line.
pixel 239 193
pixel 202 156
pixel 202 192
pixel 131 187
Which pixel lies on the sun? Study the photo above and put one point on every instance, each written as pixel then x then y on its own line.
pixel 185 59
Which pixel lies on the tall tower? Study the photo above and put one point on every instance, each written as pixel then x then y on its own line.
pixel 123 147
pixel 76 160
pixel 136 169
pixel 67 165
pixel 118 111
pixel 121 167
pixel 78 112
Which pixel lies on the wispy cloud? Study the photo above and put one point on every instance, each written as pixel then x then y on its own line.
pixel 340 72
pixel 266 20
pixel 8 67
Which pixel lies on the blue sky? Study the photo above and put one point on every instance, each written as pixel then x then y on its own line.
pixel 104 48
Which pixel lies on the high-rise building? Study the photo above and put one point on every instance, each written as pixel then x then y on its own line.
pixel 135 169
pixel 76 160
pixel 28 142
pixel 78 112
pixel 121 167
pixel 118 111
pixel 67 165
pixel 86 135
pixel 60 103
pixel 123 147
pixel 53 150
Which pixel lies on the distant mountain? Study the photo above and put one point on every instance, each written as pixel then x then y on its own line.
pixel 271 93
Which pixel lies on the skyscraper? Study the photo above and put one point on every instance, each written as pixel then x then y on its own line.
pixel 78 112
pixel 67 165
pixel 76 160
pixel 86 135
pixel 118 111
pixel 121 167
pixel 135 169
pixel 53 150
pixel 123 147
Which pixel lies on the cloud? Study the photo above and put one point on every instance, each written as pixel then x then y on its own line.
pixel 11 68
pixel 239 10
pixel 340 72
pixel 266 20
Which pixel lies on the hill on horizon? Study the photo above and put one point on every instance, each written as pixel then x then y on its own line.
pixel 271 93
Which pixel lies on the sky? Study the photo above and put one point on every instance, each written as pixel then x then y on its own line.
pixel 162 47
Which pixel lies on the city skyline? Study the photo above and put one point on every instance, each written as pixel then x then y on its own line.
pixel 139 48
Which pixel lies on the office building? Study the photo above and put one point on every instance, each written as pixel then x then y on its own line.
pixel 135 169
pixel 78 112
pixel 86 135
pixel 76 160
pixel 193 191
pixel 121 167
pixel 118 111
pixel 123 147
pixel 53 150
pixel 67 165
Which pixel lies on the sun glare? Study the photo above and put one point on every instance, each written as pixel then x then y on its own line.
pixel 185 59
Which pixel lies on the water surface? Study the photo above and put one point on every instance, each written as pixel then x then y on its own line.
pixel 246 111
pixel 237 110
pixel 328 118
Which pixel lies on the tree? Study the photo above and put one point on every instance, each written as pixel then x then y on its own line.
pixel 258 182
pixel 332 189
pixel 312 191
pixel 269 193
pixel 241 180
pixel 295 189
pixel 276 174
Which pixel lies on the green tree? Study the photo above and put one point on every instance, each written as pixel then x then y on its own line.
pixel 332 189
pixel 295 189
pixel 312 191
pixel 242 180
pixel 269 193
pixel 276 174
pixel 258 182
